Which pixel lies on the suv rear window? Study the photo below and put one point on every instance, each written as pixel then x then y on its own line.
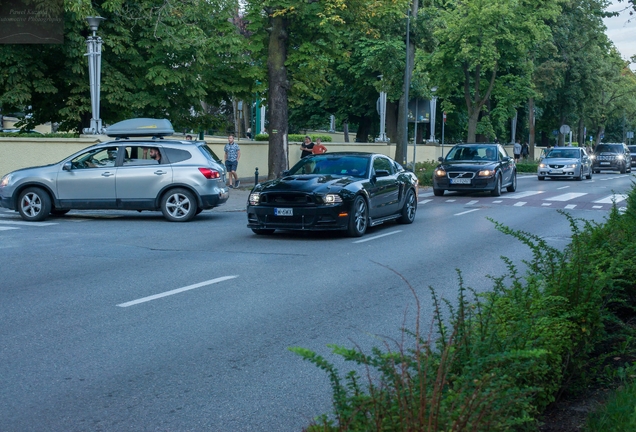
pixel 207 151
pixel 611 148
pixel 176 155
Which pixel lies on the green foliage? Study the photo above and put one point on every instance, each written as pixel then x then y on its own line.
pixel 38 135
pixel 296 137
pixel 618 414
pixel 527 167
pixel 424 172
pixel 500 357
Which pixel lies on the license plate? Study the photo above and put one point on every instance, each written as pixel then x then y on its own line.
pixel 556 171
pixel 605 163
pixel 460 181
pixel 284 212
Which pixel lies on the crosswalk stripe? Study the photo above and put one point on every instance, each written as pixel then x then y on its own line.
pixel 7 228
pixel 425 201
pixel 570 206
pixel 518 195
pixel 612 198
pixel 546 204
pixel 566 197
pixel 563 187
pixel 472 202
pixel 497 202
pixel 520 203
pixel 7 222
pixel 597 207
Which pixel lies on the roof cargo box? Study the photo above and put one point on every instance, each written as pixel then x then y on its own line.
pixel 140 127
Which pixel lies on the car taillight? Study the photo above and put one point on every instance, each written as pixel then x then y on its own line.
pixel 210 173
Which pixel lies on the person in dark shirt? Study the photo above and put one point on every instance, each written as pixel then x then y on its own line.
pixel 306 147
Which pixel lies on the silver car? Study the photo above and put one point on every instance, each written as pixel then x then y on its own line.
pixel 565 162
pixel 180 178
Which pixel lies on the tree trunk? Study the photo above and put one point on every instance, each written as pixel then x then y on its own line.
pixel 600 131
pixel 581 132
pixel 391 121
pixel 277 98
pixel 401 139
pixel 345 129
pixel 531 129
pixel 247 118
pixel 235 117
pixel 472 126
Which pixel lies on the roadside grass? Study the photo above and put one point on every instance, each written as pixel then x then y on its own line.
pixel 618 414
pixel 496 360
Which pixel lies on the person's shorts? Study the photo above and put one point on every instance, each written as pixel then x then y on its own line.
pixel 231 165
pixel 517 156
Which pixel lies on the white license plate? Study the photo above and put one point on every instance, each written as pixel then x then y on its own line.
pixel 460 181
pixel 556 171
pixel 284 212
pixel 605 163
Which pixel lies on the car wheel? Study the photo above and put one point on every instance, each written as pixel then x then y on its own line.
pixel 409 209
pixel 263 231
pixel 497 190
pixel 513 185
pixel 623 169
pixel 34 204
pixel 580 177
pixel 589 175
pixel 58 212
pixel 541 178
pixel 438 192
pixel 359 218
pixel 596 171
pixel 178 205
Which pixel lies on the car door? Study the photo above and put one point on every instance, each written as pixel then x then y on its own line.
pixel 88 180
pixel 507 166
pixel 140 178
pixel 384 188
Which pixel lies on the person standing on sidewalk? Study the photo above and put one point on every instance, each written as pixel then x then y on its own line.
pixel 232 156
pixel 306 147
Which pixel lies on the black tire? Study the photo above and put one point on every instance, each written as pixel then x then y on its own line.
pixel 438 192
pixel 34 204
pixel 589 175
pixel 359 217
pixel 596 171
pixel 178 205
pixel 57 212
pixel 580 177
pixel 409 209
pixel 623 169
pixel 540 178
pixel 513 185
pixel 263 231
pixel 497 190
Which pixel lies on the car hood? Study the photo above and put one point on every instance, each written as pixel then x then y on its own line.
pixel 468 165
pixel 306 183
pixel 559 161
pixel 35 170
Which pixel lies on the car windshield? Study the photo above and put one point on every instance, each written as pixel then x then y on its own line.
pixel 350 165
pixel 473 153
pixel 607 148
pixel 564 153
pixel 632 149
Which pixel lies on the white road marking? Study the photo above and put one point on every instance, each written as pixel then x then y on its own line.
pixel 176 291
pixel 497 202
pixel 377 237
pixel 472 202
pixel 597 207
pixel 518 195
pixel 7 228
pixel 467 211
pixel 520 203
pixel 546 204
pixel 7 222
pixel 563 187
pixel 612 198
pixel 424 201
pixel 9 215
pixel 451 200
pixel 570 206
pixel 566 197
pixel 426 194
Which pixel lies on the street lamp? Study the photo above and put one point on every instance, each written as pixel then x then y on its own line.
pixel 381 108
pixel 433 109
pixel 94 54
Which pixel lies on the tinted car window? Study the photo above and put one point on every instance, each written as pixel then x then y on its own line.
pixel 207 151
pixel 609 148
pixel 380 163
pixel 632 149
pixel 355 166
pixel 176 155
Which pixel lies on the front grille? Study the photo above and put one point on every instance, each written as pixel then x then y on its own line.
pixel 606 158
pixel 467 175
pixel 286 198
pixel 557 166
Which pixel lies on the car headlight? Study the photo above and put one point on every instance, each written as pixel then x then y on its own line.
pixel 592 157
pixel 571 166
pixel 255 198
pixel 5 180
pixel 332 199
pixel 440 172
pixel 486 173
pixel 620 157
pixel 542 165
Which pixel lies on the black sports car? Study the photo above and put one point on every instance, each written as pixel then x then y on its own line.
pixel 475 167
pixel 334 191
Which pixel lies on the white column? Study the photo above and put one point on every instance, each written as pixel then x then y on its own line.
pixel 332 123
pixel 382 111
pixel 433 109
pixel 263 131
pixel 513 128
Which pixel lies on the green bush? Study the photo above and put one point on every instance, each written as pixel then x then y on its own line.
pixel 37 135
pixel 296 137
pixel 527 167
pixel 505 355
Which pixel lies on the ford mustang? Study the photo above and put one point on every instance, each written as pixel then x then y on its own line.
pixel 347 191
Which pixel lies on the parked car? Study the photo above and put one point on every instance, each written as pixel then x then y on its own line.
pixel 632 153
pixel 141 172
pixel 565 162
pixel 613 157
pixel 475 168
pixel 347 191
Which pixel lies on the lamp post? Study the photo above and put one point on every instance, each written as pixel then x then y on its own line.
pixel 94 54
pixel 433 108
pixel 407 84
pixel 381 108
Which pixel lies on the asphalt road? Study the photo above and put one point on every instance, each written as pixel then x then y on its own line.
pixel 116 321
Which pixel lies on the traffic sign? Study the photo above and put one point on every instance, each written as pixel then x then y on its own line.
pixel 629 134
pixel 564 129
pixel 444 116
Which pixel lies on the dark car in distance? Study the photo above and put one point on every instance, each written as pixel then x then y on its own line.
pixel 632 153
pixel 475 168
pixel 348 191
pixel 612 157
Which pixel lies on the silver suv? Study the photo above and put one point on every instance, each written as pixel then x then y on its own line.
pixel 180 178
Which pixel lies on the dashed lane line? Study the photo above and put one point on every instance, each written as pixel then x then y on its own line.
pixel 467 211
pixel 377 236
pixel 24 223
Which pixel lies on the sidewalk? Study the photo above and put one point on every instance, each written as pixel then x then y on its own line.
pixel 237 201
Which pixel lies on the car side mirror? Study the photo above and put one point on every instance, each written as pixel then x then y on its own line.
pixel 440 159
pixel 67 166
pixel 382 173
